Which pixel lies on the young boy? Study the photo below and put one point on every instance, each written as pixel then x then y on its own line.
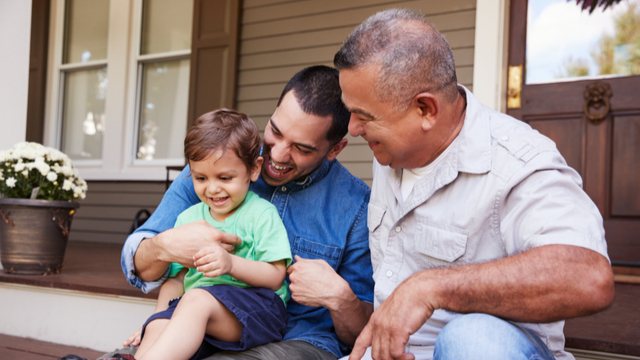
pixel 232 301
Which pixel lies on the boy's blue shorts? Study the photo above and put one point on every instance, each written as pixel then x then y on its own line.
pixel 260 311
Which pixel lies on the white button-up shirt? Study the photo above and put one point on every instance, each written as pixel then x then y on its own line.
pixel 500 189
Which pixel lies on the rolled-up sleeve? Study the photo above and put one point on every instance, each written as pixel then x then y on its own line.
pixel 178 197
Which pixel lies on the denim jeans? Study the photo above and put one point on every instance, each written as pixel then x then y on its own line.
pixel 482 336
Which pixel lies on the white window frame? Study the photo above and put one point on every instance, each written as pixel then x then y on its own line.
pixel 123 73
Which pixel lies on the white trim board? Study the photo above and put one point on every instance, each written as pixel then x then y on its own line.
pixel 490 52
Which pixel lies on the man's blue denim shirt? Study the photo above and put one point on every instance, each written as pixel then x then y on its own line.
pixel 326 218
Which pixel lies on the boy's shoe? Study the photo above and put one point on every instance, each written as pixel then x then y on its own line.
pixel 120 354
pixel 72 357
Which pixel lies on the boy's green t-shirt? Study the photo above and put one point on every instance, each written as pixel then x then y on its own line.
pixel 264 238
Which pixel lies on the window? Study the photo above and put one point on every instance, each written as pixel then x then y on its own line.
pixel 118 86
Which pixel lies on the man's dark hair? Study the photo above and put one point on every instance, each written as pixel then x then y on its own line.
pixel 317 91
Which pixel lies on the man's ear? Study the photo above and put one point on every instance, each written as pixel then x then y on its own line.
pixel 427 106
pixel 257 168
pixel 337 149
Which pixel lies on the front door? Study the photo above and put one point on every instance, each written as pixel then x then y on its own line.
pixel 580 85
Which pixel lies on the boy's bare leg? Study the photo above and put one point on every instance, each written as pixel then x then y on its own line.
pixel 197 312
pixel 151 334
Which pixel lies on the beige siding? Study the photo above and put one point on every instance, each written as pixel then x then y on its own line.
pixel 107 212
pixel 280 37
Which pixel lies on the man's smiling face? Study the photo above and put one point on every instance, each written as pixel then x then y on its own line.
pixel 295 143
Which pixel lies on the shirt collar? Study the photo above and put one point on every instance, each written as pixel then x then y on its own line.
pixel 315 176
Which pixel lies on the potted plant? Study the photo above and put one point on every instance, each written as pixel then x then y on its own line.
pixel 38 189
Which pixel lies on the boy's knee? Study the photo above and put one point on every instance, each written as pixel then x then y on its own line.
pixel 195 296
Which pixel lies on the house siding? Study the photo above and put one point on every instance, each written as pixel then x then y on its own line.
pixel 109 208
pixel 277 38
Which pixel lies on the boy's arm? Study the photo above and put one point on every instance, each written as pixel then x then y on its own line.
pixel 259 273
pixel 215 261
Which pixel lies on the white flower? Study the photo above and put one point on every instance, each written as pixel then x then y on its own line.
pixel 30 166
pixel 67 185
pixel 11 182
pixel 19 166
pixel 42 167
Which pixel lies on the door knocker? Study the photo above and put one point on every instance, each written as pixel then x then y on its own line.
pixel 597 101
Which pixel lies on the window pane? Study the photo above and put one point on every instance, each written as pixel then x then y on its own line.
pixel 83 118
pixel 86 30
pixel 166 26
pixel 566 43
pixel 163 110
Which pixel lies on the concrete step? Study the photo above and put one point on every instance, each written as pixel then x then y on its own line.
pixel 70 317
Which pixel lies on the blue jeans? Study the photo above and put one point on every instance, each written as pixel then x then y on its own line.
pixel 482 336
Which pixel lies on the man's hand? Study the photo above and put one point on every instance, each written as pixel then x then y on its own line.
pixel 390 326
pixel 213 261
pixel 180 244
pixel 314 283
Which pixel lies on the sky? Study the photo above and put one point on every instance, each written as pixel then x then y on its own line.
pixel 558 30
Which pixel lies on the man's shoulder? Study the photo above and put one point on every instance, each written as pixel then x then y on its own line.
pixel 518 138
pixel 520 148
pixel 346 182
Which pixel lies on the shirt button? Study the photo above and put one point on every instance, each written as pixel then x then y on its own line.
pixel 398 229
pixel 505 138
pixel 283 189
pixel 389 273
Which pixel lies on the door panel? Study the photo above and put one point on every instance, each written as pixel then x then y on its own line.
pixel 571 128
pixel 606 151
pixel 625 195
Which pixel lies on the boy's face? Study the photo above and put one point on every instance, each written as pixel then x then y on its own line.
pixel 222 180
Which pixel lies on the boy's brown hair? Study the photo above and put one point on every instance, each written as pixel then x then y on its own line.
pixel 223 129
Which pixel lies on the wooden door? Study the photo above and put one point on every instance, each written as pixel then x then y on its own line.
pixel 594 120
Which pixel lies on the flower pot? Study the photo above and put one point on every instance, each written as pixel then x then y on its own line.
pixel 34 234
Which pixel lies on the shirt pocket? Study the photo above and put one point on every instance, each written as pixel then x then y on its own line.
pixel 442 244
pixel 315 250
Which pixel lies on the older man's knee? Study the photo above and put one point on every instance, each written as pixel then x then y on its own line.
pixel 482 336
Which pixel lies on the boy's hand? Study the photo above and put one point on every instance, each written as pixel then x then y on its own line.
pixel 213 261
pixel 133 340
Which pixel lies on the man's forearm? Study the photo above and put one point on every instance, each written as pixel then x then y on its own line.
pixel 147 261
pixel 544 284
pixel 349 315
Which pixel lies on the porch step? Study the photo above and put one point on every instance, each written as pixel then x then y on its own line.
pixel 88 305
pixel 70 317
